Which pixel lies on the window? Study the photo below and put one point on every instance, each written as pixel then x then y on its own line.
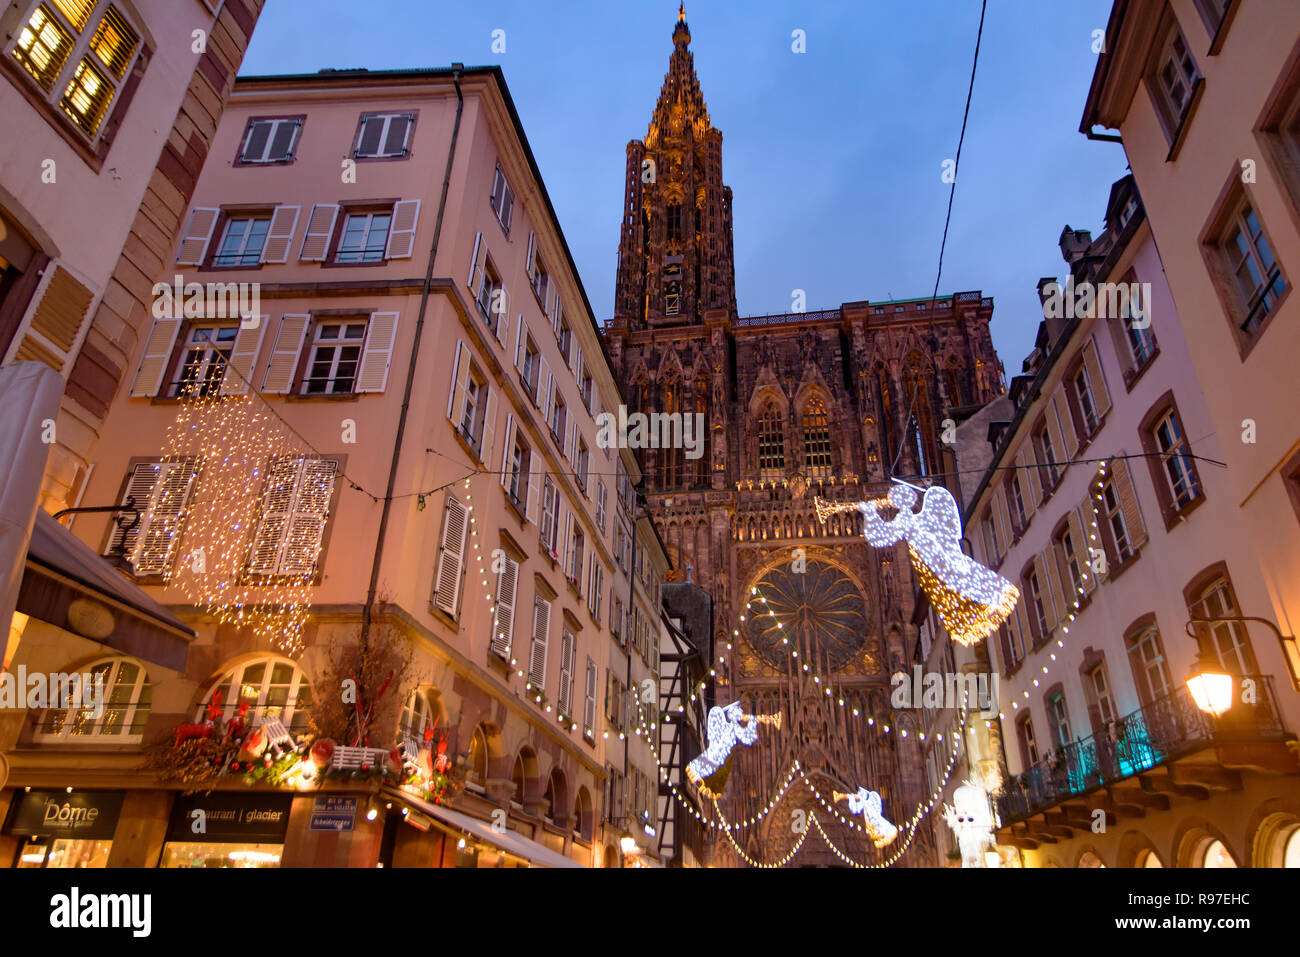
pixel 550 521
pixel 589 701
pixel 581 461
pixel 816 439
pixel 161 492
pixel 1258 281
pixel 335 356
pixel 528 360
pixel 601 496
pixel 1227 640
pixel 615 614
pixel 383 135
pixel 416 718
pixel 595 589
pixel 1099 691
pixel 471 411
pixel 1141 344
pixel 57 35
pixel 1057 720
pixel 565 338
pixel 1176 460
pixel 270 140
pixel 1116 524
pixel 204 358
pixel 517 471
pixel 491 296
pixel 1213 12
pixel 471 406
pixel 451 555
pixel 1051 472
pixel 990 536
pixel 273 689
pixel 295 508
pixel 1070 557
pixel 771 440
pixel 540 281
pixel 1087 403
pixel 1028 746
pixel 577 543
pixel 121 716
pixel 241 244
pixel 1150 670
pixel 1033 590
pixel 673 221
pixel 364 238
pixel 568 657
pixel 1017 503
pixel 503 199
pixel 615 700
pixel 503 620
pixel 1173 80
pixel 584 384
pixel 559 417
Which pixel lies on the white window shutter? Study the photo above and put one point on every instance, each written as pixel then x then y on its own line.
pixel 401 232
pixel 532 252
pixel 284 354
pixel 320 227
pixel 306 529
pixel 459 383
pixel 568 539
pixel 157 356
pixel 372 374
pixel 448 571
pixel 589 703
pixel 279 235
pixel 569 444
pixel 541 638
pixel 503 316
pixel 277 508
pixel 503 624
pixel 194 247
pixel 509 446
pixel 139 488
pixel 575 360
pixel 545 527
pixel 534 481
pixel 521 333
pixel 567 655
pixel 543 396
pixel 489 428
pixel 239 371
pixel 158 535
pixel 474 265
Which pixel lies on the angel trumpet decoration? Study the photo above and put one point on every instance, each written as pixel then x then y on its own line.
pixel 727 727
pixel 868 804
pixel 972 600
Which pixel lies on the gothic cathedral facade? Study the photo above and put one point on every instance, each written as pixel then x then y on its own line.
pixel 795 407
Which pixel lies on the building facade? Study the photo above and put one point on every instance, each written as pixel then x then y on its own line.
pixel 358 444
pixel 791 407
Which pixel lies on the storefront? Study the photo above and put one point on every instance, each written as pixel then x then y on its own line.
pixel 227 830
pixel 60 829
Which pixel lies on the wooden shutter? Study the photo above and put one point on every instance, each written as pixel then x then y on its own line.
pixel 1128 503
pixel 565 700
pixel 569 441
pixel 1082 546
pixel 311 507
pixel 372 128
pixel 159 532
pixel 521 335
pixel 546 522
pixel 537 651
pixel 194 245
pixel 1031 490
pixel 531 258
pixel 286 134
pixel 1089 516
pixel 277 509
pixel 589 700
pixel 54 329
pixel 1065 420
pixel 534 479
pixel 320 227
pixel 279 235
pixel 1100 394
pixel 545 382
pixel 509 446
pixel 498 189
pixel 567 550
pixel 157 356
pixel 459 384
pixel 1045 592
pixel 501 317
pixel 139 488
pixel 475 265
pixel 239 371
pixel 283 363
pixel 259 132
pixel 503 623
pixel 372 374
pixel 399 128
pixel 451 556
pixel 1001 526
pixel 401 234
pixel 489 428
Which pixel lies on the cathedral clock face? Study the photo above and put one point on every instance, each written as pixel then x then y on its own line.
pixel 819 606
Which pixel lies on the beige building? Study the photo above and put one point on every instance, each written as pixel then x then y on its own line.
pixel 372 424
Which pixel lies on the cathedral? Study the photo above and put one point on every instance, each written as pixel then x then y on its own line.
pixel 796 407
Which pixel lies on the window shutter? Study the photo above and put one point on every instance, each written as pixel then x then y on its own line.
pixel 565 700
pixel 568 540
pixel 575 362
pixel 1083 544
pixel 569 443
pixel 530 259
pixel 239 371
pixel 534 479
pixel 286 134
pixel 279 235
pixel 372 128
pixel 1100 395
pixel 545 528
pixel 544 385
pixel 589 703
pixel 475 265
pixel 401 235
pixel 320 227
pixel 502 316
pixel 139 488
pixel 521 332
pixel 541 636
pixel 157 356
pixel 159 532
pixel 459 383
pixel 277 508
pixel 509 446
pixel 284 354
pixel 503 624
pixel 451 556
pixel 507 206
pixel 372 374
pixel 1128 503
pixel 1065 419
pixel 498 188
pixel 194 247
pixel 489 428
pixel 399 127
pixel 1030 490
pixel 306 531
pixel 1045 592
pixel 258 134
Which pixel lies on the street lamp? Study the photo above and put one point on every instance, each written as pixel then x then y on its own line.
pixel 1210 686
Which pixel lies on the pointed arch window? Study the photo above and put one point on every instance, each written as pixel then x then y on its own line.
pixel 670 453
pixel 816 439
pixel 771 441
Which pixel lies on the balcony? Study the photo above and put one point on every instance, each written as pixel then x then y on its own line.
pixel 1169 748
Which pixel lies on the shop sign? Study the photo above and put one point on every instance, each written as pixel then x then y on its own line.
pixel 84 815
pixel 333 813
pixel 230 818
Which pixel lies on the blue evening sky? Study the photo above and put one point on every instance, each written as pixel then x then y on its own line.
pixel 834 155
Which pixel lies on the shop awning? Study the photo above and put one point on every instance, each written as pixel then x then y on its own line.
pixel 511 842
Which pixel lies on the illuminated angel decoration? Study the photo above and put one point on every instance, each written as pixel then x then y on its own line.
pixel 727 727
pixel 971 599
pixel 868 804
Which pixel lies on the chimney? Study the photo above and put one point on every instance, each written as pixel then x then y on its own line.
pixel 1074 243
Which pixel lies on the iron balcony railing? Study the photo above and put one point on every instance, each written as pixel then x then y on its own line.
pixel 1163 731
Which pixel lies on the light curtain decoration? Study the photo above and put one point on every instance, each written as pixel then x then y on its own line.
pixel 727 727
pixel 971 600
